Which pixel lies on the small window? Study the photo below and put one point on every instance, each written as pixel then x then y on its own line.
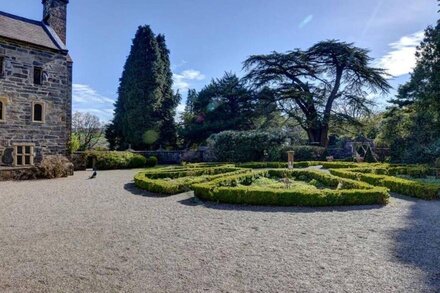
pixel 24 155
pixel 2 111
pixel 38 112
pixel 38 75
pixel 2 66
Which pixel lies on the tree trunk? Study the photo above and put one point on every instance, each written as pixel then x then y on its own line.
pixel 318 135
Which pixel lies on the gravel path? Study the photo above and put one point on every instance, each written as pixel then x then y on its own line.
pixel 104 235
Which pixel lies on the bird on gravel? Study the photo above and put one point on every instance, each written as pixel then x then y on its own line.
pixel 95 173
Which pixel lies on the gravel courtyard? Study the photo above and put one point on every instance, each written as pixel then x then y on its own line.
pixel 104 235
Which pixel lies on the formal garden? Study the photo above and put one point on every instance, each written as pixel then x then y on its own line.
pixel 309 183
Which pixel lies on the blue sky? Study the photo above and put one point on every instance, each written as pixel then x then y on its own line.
pixel 209 37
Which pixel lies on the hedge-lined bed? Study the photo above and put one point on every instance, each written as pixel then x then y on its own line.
pixel 174 180
pixel 334 191
pixel 405 186
pixel 348 184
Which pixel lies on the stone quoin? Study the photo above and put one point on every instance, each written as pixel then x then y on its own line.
pixel 35 86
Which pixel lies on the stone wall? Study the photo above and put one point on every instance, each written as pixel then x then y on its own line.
pixel 18 91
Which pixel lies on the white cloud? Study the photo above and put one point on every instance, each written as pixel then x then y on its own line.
pixel 87 99
pixel 306 21
pixel 83 93
pixel 182 80
pixel 401 59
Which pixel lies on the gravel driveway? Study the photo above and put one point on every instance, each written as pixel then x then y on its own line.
pixel 104 235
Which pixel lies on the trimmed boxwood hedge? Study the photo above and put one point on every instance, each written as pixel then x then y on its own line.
pixel 169 181
pixel 117 160
pixel 228 190
pixel 395 184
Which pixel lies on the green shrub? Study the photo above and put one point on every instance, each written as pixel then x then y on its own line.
pixel 307 153
pixel 137 161
pixel 151 162
pixel 116 160
pixel 248 146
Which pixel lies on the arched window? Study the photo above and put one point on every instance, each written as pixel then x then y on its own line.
pixel 3 104
pixel 38 112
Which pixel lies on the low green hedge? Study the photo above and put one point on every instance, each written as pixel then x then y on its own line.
pixel 173 182
pixel 228 190
pixel 172 173
pixel 398 185
pixel 271 165
pixel 117 160
pixel 327 179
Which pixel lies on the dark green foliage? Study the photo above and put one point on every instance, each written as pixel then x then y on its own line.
pixel 224 104
pixel 169 100
pixel 411 129
pixel 137 161
pixel 310 83
pixel 248 146
pixel 151 162
pixel 307 153
pixel 145 98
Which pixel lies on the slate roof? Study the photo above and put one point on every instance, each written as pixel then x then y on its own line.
pixel 29 31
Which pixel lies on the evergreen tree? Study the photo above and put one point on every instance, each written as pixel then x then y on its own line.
pixel 145 98
pixel 411 128
pixel 167 112
pixel 224 104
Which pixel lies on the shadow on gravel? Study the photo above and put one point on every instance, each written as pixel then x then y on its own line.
pixel 193 201
pixel 131 187
pixel 418 244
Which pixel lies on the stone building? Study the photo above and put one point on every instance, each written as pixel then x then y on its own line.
pixel 35 86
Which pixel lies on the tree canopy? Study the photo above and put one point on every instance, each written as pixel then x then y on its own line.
pixel 309 84
pixel 411 127
pixel 224 104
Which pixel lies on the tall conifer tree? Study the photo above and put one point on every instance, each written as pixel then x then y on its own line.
pixel 170 100
pixel 145 97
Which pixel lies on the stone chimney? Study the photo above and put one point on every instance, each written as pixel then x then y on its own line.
pixel 55 15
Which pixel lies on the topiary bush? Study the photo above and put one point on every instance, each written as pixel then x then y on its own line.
pixel 151 162
pixel 137 161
